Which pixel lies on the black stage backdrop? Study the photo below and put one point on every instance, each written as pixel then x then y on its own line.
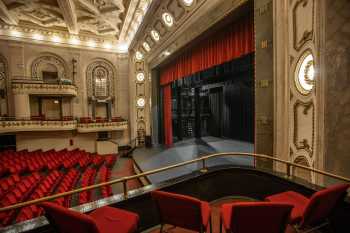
pixel 229 108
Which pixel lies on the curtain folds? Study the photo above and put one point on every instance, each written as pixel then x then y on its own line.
pixel 168 123
pixel 234 41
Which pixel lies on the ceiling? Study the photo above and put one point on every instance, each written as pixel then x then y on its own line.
pixel 117 19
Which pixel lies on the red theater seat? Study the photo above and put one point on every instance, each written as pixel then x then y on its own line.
pixel 102 220
pixel 182 211
pixel 248 217
pixel 313 211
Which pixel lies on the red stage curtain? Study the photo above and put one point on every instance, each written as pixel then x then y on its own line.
pixel 234 41
pixel 168 123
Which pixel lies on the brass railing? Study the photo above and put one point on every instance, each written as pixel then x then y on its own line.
pixel 203 160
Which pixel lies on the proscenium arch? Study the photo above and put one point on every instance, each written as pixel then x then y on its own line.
pixel 52 59
pixel 103 65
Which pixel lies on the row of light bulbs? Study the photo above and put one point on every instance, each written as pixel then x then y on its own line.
pixel 73 40
pixel 168 20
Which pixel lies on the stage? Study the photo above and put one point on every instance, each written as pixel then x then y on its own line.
pixel 151 158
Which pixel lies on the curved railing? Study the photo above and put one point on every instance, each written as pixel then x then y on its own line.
pixel 124 180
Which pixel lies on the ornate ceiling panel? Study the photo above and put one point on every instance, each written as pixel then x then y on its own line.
pixel 116 20
pixel 101 17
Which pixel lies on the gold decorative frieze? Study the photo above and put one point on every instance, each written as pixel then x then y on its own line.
pixel 44 89
pixel 29 125
pixel 102 126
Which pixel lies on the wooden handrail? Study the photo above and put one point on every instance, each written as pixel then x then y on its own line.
pixel 202 159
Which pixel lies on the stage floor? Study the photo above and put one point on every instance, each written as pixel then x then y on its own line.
pixel 156 157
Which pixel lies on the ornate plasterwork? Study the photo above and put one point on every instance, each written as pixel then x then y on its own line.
pixel 3 85
pixel 3 73
pixel 111 24
pixel 100 77
pixel 101 17
pixel 103 126
pixel 303 23
pixel 50 61
pixel 133 19
pixel 304 126
pixel 28 125
pixel 44 89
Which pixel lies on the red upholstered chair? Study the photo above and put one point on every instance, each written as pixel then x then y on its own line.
pixel 312 213
pixel 103 220
pixel 249 217
pixel 182 211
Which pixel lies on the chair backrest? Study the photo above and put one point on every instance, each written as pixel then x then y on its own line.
pixel 178 210
pixel 262 217
pixel 322 203
pixel 68 221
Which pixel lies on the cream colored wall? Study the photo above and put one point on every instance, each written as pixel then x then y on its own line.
pixel 106 147
pixel 20 56
pixel 298 116
pixel 55 140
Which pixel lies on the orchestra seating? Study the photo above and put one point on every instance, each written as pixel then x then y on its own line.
pixel 28 175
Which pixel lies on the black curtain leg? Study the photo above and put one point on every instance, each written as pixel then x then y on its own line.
pixel 211 225
pixel 220 224
pixel 330 228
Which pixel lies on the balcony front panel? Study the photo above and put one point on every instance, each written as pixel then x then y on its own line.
pixel 102 126
pixel 44 89
pixel 29 125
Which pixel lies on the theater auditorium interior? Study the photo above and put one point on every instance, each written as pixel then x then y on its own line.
pixel 174 116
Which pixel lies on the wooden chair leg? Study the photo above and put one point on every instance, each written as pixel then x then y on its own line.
pixel 161 228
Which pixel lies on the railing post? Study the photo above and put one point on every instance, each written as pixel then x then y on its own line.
pixel 288 171
pixel 125 189
pixel 204 168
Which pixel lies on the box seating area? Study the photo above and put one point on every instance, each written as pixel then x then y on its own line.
pixel 28 175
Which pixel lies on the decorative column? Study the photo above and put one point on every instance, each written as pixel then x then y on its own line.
pixel 22 105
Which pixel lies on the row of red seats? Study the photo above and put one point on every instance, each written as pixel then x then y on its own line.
pixel 98 160
pixel 87 178
pixel 105 175
pixel 7 183
pixel 22 161
pixel 110 160
pixel 68 182
pixel 16 188
pixel 18 193
pixel 84 161
pixel 45 188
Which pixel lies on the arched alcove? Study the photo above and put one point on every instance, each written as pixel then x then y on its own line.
pixel 100 75
pixel 50 68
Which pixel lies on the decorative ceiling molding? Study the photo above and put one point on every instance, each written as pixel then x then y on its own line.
pixel 133 19
pixel 68 11
pixel 115 21
pixel 6 16
pixel 190 22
